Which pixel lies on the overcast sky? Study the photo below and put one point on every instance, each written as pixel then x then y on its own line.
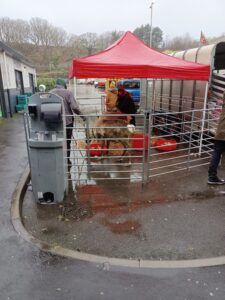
pixel 174 17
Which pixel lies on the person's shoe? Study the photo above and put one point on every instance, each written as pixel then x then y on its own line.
pixel 215 180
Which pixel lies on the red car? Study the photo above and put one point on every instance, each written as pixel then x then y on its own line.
pixel 101 84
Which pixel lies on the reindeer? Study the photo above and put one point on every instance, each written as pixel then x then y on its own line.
pixel 113 128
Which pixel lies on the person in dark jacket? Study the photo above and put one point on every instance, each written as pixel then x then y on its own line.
pixel 219 149
pixel 125 103
pixel 70 107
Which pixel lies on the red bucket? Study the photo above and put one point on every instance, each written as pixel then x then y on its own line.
pixel 166 145
pixel 138 141
pixel 96 149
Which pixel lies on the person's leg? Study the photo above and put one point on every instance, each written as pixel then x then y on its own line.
pixel 69 131
pixel 219 148
pixel 132 121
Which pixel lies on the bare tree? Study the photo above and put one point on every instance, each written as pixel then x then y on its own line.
pixel 39 31
pixel 181 43
pixel 5 30
pixel 14 31
pixel 72 40
pixel 115 35
pixel 59 37
pixel 42 33
pixel 89 42
pixel 74 44
pixel 104 40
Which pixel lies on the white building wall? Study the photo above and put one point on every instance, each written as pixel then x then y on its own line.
pixel 3 69
pixel 8 67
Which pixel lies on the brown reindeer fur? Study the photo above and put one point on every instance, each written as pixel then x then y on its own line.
pixel 117 131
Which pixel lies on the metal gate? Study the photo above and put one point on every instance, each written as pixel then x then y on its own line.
pixel 107 151
pixel 163 142
pixel 179 141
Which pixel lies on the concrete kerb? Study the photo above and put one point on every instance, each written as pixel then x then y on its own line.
pixel 16 217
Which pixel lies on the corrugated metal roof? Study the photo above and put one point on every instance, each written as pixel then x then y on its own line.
pixel 15 54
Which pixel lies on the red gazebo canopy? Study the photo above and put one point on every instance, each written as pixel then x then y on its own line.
pixel 129 57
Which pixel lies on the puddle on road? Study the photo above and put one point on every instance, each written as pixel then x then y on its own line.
pixel 112 202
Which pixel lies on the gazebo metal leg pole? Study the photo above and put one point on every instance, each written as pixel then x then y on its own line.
pixel 203 118
pixel 190 139
pixel 149 143
pixel 143 151
pixel 74 87
pixel 88 149
pixel 146 97
pixel 152 106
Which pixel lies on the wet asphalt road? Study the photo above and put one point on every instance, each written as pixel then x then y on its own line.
pixel 28 273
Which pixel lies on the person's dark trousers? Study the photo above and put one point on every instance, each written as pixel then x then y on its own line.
pixel 132 121
pixel 219 148
pixel 69 132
